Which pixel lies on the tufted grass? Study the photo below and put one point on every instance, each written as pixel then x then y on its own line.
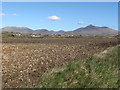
pixel 97 71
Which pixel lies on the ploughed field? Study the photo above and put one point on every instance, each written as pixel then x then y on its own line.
pixel 24 60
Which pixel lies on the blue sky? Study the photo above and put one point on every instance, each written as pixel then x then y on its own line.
pixel 59 15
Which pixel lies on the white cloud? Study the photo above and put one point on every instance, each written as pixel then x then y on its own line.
pixel 14 14
pixel 2 14
pixel 112 26
pixel 54 18
pixel 82 23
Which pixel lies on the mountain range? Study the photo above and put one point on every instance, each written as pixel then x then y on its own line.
pixel 89 30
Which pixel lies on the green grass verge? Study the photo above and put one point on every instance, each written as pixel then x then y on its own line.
pixel 97 71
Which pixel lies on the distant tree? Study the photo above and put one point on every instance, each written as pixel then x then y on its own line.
pixel 12 35
pixel 59 35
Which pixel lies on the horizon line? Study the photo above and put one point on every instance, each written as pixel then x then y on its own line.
pixel 57 29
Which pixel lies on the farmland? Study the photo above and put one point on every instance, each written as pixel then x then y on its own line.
pixel 25 60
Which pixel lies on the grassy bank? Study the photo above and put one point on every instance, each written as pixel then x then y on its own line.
pixel 97 71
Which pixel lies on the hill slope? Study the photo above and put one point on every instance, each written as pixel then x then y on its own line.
pixel 89 30
pixel 24 30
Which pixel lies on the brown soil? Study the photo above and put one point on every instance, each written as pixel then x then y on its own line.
pixel 25 60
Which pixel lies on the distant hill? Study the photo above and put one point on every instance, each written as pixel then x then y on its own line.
pixel 24 30
pixel 89 30
pixel 43 31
